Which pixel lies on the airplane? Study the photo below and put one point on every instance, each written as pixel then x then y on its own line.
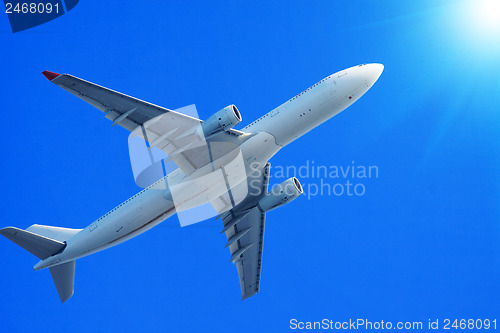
pixel 221 155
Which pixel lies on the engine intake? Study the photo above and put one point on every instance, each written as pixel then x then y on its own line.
pixel 221 121
pixel 281 194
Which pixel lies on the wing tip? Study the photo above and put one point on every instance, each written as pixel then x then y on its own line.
pixel 50 75
pixel 244 297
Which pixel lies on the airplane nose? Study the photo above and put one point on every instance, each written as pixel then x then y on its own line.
pixel 354 82
pixel 372 72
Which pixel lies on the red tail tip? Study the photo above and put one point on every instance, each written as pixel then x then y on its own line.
pixel 50 75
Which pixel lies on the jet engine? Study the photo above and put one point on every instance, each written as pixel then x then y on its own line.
pixel 281 194
pixel 222 120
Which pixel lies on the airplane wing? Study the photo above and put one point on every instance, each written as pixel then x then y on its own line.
pixel 170 133
pixel 244 228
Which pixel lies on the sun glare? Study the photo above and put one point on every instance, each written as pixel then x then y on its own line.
pixel 477 26
pixel 486 17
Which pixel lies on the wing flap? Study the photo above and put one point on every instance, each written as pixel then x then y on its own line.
pixel 247 250
pixel 244 227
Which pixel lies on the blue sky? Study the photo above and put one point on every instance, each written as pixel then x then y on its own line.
pixel 423 242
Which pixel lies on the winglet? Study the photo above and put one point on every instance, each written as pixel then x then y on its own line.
pixel 50 75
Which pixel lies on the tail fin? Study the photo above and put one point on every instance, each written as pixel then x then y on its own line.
pixel 43 242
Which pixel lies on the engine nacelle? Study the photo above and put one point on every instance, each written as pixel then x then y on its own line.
pixel 281 194
pixel 222 120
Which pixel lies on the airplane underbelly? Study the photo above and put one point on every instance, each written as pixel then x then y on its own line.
pixel 121 225
pixel 301 114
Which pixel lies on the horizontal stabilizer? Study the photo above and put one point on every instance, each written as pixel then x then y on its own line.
pixel 40 246
pixel 57 233
pixel 64 279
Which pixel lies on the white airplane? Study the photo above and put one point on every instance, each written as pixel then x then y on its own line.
pixel 217 148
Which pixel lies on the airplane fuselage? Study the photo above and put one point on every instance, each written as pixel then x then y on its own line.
pixel 269 134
